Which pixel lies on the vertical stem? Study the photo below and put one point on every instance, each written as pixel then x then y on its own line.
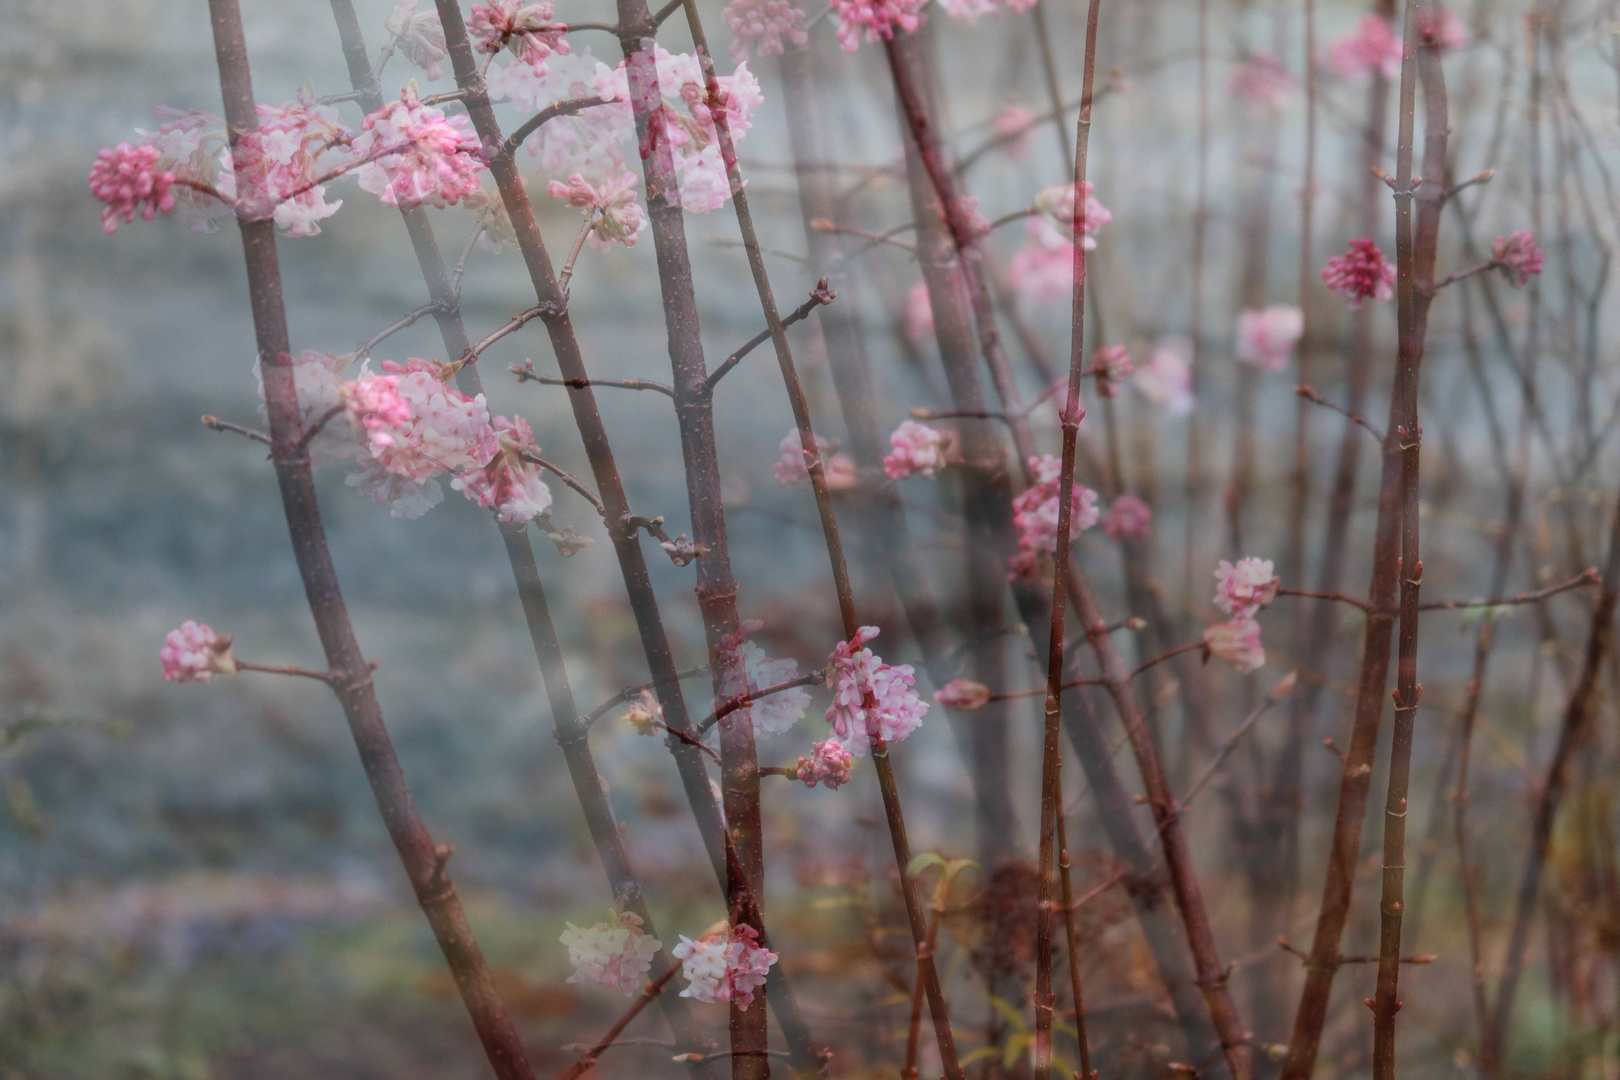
pixel 571 733
pixel 1086 1072
pixel 424 863
pixel 1415 251
pixel 1195 449
pixel 1051 760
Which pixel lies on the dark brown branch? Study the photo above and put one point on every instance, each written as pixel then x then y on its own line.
pixel 550 112
pixel 819 297
pixel 1309 394
pixel 526 373
pixel 588 1060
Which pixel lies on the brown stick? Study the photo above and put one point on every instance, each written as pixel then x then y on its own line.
pixel 351 676
pixel 588 1060
pixel 1415 251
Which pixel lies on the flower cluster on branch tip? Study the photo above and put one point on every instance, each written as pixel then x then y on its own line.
pixel 1035 515
pixel 1241 590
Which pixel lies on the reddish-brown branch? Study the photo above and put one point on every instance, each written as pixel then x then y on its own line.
pixel 216 424
pixel 539 119
pixel 1310 394
pixel 424 862
pixel 287 669
pixel 587 1060
pixel 525 373
pixel 1589 576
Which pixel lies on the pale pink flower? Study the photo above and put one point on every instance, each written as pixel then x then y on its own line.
pixel 613 954
pixel 1237 641
pixel 419 37
pixel 964 695
pixel 127 178
pixel 1165 377
pixel 1245 588
pixel 1373 46
pixel 871 699
pixel 277 163
pixel 193 652
pixel 1128 518
pixel 841 475
pixel 1361 272
pixel 645 714
pixel 1266 337
pixel 790 468
pixel 374 405
pixel 1443 29
pixel 1015 129
pixel 762 26
pixel 1042 271
pixel 426 157
pixel 191 145
pixel 526 29
pixel 971 11
pixel 879 19
pixel 1262 79
pixel 726 966
pixel 1035 510
pixel 318 388
pixel 1518 255
pixel 691 137
pixel 509 483
pixel 917 449
pixel 1058 203
pixel 619 214
pixel 829 763
pixel 746 668
pixel 589 142
pixel 1111 365
pixel 919 313
pixel 447 432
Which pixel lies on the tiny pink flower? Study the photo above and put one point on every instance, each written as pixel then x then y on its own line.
pixel 1042 271
pixel 1035 510
pixel 745 668
pixel 1237 641
pixel 374 406
pixel 419 37
pixel 426 157
pixel 829 763
pixel 919 313
pixel 725 966
pixel 1361 272
pixel 1165 378
pixel 128 180
pixel 508 483
pixel 879 19
pixel 615 954
pixel 761 26
pixel 1518 254
pixel 918 450
pixel 1015 130
pixel 193 652
pixel 614 200
pixel 1058 203
pixel 1262 79
pixel 964 695
pixel 1373 46
pixel 1266 337
pixel 1129 518
pixel 1025 563
pixel 790 468
pixel 1111 365
pixel 1245 588
pixel 871 699
pixel 526 29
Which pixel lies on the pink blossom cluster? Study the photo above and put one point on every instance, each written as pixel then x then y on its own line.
pixel 919 313
pixel 1266 337
pixel 613 954
pixel 1014 126
pixel 1245 587
pixel 790 468
pixel 589 142
pixel 1360 273
pixel 419 37
pixel 964 695
pixel 193 652
pixel 1058 204
pixel 971 11
pixel 917 450
pixel 1042 271
pixel 725 966
pixel 1111 365
pixel 746 668
pixel 1517 254
pixel 1129 518
pixel 871 699
pixel 616 215
pixel 526 29
pixel 278 163
pixel 1372 47
pixel 1035 510
pixel 1237 641
pixel 690 135
pixel 192 147
pixel 423 155
pixel 829 763
pixel 374 406
pixel 878 20
pixel 508 483
pixel 1165 378
pixel 129 180
pixel 762 26
pixel 1262 79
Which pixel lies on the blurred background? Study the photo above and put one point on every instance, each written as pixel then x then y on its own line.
pixel 194 882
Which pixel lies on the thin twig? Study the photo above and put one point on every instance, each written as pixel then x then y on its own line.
pixel 741 701
pixel 1278 692
pixel 1310 394
pixel 550 112
pixel 1589 576
pixel 819 297
pixel 408 319
pixel 648 992
pixel 629 692
pixel 566 477
pixel 287 669
pixel 526 373
pixel 215 423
